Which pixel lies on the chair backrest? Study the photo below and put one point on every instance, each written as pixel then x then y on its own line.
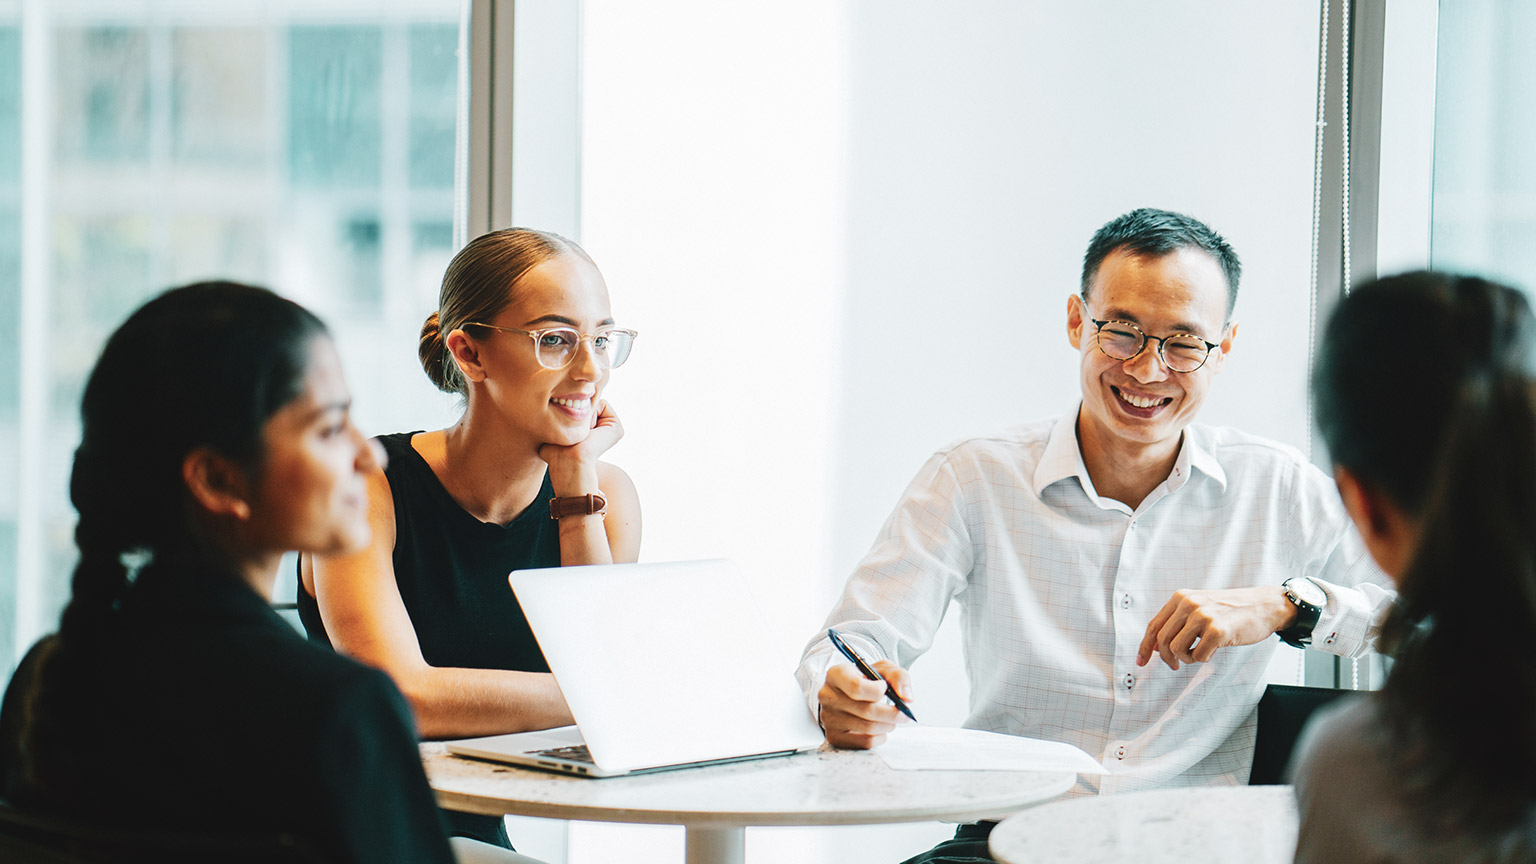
pixel 1283 712
pixel 28 837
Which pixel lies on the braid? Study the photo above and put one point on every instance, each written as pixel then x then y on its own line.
pixel 203 366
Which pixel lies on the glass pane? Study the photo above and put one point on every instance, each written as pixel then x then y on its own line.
pixel 10 111
pixel 218 106
pixel 10 315
pixel 334 110
pixel 434 81
pixel 102 80
pixel 1485 119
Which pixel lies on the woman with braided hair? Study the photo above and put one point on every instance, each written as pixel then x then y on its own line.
pixel 216 437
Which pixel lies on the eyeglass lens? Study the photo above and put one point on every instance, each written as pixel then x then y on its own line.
pixel 1180 353
pixel 558 347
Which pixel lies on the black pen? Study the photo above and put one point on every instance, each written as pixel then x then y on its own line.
pixel 869 672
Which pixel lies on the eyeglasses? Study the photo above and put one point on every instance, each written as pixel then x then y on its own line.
pixel 556 346
pixel 1181 352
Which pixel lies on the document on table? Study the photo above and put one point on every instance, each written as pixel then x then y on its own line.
pixel 935 748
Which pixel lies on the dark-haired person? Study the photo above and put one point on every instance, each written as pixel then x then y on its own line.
pixel 1081 547
pixel 216 437
pixel 525 334
pixel 1426 396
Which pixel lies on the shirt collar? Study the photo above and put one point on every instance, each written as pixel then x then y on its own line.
pixel 1063 458
pixel 1195 454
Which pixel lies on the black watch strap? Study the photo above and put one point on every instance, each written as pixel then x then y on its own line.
pixel 1299 634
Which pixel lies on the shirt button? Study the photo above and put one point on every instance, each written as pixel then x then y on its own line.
pixel 1130 680
pixel 1120 752
pixel 1133 526
pixel 1125 601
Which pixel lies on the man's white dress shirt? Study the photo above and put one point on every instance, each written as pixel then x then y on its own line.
pixel 1056 585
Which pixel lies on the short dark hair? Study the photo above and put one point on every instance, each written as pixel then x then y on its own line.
pixel 1152 232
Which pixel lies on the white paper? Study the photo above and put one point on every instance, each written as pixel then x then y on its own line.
pixel 936 748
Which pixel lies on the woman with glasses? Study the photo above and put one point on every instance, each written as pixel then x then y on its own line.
pixel 216 437
pixel 524 333
pixel 1425 397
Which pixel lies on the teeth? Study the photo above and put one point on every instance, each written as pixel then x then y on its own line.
pixel 1138 401
pixel 572 403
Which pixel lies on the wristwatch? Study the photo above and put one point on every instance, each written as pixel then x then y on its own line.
pixel 578 505
pixel 1309 599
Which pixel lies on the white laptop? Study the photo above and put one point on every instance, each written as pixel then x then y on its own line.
pixel 663 665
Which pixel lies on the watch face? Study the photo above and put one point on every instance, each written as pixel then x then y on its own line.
pixel 1307 592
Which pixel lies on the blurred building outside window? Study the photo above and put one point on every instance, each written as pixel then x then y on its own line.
pixel 308 147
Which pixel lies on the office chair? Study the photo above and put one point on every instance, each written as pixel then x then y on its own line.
pixel 1283 712
pixel 37 838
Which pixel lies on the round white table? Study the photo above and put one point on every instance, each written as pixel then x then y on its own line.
pixel 1251 824
pixel 717 803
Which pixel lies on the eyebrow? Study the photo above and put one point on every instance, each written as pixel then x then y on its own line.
pixel 342 405
pixel 561 319
pixel 1178 326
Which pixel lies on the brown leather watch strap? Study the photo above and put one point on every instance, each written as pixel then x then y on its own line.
pixel 578 505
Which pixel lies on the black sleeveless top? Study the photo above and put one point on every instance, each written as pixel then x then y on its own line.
pixel 452 570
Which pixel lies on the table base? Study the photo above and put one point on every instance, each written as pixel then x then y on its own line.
pixel 716 845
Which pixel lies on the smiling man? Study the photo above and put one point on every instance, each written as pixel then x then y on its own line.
pixel 1120 570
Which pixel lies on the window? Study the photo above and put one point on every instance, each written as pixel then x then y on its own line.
pixel 1485 119
pixel 309 148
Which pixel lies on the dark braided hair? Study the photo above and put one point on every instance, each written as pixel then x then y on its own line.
pixel 1424 387
pixel 205 365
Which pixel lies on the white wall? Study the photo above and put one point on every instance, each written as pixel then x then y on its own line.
pixel 847 232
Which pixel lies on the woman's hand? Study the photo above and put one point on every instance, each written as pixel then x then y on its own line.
pixel 573 467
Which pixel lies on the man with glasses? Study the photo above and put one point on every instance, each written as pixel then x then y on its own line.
pixel 1120 569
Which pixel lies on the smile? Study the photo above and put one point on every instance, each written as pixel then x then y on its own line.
pixel 1141 401
pixel 580 404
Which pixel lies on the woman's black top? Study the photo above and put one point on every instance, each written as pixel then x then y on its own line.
pixel 200 709
pixel 452 569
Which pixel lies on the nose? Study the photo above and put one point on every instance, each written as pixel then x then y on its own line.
pixel 584 366
pixel 1147 367
pixel 370 453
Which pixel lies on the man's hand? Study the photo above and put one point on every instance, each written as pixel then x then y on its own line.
pixel 1193 625
pixel 854 711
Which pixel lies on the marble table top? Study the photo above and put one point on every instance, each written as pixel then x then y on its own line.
pixel 1251 824
pixel 825 787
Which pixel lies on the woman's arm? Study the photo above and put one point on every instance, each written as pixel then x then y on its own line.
pixel 622 522
pixel 367 620
pixel 574 470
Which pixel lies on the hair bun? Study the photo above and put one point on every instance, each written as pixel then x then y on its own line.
pixel 434 355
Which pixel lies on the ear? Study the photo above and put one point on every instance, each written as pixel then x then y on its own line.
pixel 1357 500
pixel 1388 534
pixel 1077 315
pixel 217 484
pixel 1228 337
pixel 466 353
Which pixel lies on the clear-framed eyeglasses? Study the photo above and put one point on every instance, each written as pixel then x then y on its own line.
pixel 556 347
pixel 1180 352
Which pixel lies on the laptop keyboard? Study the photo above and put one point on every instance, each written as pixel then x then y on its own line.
pixel 576 753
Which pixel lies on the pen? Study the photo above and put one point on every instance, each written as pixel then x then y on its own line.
pixel 869 672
